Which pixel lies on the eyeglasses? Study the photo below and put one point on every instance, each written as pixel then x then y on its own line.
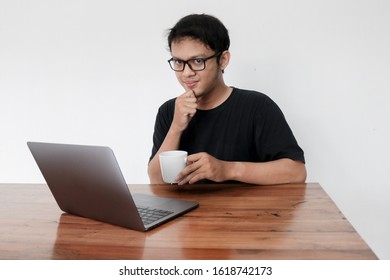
pixel 195 64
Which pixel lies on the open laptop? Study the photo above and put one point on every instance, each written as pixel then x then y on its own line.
pixel 87 181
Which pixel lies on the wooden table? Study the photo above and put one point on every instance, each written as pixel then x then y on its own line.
pixel 297 221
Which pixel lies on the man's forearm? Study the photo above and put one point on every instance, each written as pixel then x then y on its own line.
pixel 268 173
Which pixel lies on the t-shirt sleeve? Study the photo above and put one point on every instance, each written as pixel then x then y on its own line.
pixel 162 124
pixel 274 137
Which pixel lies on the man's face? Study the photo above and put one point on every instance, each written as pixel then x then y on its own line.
pixel 201 82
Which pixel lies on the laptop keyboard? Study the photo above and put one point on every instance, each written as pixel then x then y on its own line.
pixel 150 215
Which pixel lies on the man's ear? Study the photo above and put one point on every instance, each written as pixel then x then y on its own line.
pixel 224 60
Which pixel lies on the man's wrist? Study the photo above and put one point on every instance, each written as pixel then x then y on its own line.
pixel 234 171
pixel 175 130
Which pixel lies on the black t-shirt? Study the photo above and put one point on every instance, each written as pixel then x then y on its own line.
pixel 248 127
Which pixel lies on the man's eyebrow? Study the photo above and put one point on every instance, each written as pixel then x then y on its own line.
pixel 191 57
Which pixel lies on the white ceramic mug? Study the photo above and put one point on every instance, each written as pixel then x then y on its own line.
pixel 172 163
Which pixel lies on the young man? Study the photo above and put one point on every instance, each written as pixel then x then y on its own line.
pixel 230 134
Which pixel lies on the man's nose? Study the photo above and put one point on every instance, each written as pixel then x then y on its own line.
pixel 187 70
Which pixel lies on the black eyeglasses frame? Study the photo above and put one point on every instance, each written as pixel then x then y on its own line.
pixel 186 62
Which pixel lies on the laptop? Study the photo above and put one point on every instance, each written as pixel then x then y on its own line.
pixel 87 181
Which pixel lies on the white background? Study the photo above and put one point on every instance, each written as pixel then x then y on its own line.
pixel 95 72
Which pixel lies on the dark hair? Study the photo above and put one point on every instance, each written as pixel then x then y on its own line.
pixel 205 28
